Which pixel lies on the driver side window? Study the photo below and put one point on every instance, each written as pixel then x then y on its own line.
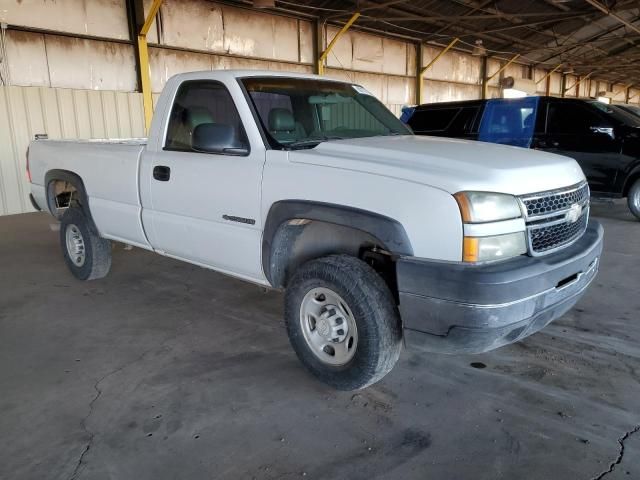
pixel 572 119
pixel 200 103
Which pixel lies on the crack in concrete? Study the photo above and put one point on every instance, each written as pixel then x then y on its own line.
pixel 83 422
pixel 96 387
pixel 618 459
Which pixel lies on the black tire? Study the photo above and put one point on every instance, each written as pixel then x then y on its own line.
pixel 97 250
pixel 633 198
pixel 374 311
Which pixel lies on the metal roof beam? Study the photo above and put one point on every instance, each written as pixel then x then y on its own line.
pixel 612 14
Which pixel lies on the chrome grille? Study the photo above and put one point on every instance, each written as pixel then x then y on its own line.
pixel 552 218
pixel 547 237
pixel 550 202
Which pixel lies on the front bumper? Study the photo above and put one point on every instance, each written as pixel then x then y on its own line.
pixel 461 308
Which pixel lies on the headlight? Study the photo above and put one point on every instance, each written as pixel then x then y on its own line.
pixel 483 249
pixel 480 207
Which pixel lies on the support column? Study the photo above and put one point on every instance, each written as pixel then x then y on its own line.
pixel 143 56
pixel 323 55
pixel 547 78
pixel 422 70
pixel 419 75
pixel 318 44
pixel 483 78
pixel 135 12
pixel 500 70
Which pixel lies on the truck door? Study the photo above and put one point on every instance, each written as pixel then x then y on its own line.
pixel 578 131
pixel 204 206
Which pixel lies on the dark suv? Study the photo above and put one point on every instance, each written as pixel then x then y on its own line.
pixel 604 139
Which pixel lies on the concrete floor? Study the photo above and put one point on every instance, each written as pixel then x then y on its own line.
pixel 164 370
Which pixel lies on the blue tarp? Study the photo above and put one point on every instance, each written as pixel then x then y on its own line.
pixel 509 121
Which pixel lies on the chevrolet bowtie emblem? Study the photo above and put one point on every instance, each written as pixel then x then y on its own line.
pixel 574 213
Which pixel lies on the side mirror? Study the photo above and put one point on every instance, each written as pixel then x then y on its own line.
pixel 218 138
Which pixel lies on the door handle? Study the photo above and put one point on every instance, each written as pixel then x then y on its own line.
pixel 161 173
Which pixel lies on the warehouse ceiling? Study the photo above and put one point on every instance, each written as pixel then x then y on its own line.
pixel 588 37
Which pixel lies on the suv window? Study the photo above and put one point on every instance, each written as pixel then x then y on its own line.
pixel 197 103
pixel 463 123
pixel 433 119
pixel 509 121
pixel 573 118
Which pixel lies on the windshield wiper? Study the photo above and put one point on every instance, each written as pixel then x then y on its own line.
pixel 307 142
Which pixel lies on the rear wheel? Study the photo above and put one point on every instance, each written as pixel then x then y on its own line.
pixel 633 198
pixel 343 322
pixel 87 255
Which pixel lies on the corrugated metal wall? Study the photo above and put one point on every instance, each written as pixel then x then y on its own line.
pixel 84 45
pixel 61 113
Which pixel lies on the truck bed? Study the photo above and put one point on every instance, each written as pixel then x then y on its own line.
pixel 109 170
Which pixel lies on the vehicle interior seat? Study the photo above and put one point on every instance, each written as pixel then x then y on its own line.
pixel 191 118
pixel 283 127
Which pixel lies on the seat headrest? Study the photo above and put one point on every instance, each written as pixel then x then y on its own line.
pixel 194 116
pixel 281 120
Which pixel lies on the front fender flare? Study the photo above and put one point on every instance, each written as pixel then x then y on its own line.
pixel 389 232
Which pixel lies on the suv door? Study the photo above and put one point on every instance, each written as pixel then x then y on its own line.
pixel 578 130
pixel 205 207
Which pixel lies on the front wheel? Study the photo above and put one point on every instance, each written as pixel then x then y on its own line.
pixel 87 255
pixel 343 322
pixel 633 199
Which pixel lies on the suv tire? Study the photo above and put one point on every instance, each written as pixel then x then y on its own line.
pixel 343 322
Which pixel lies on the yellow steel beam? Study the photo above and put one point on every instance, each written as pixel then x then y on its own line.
pixel 439 55
pixel 504 67
pixel 143 59
pixel 549 73
pixel 579 81
pixel 323 55
pixel 500 70
pixel 145 78
pixel 430 64
pixel 155 6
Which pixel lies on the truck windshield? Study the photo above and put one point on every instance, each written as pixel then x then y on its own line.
pixel 300 113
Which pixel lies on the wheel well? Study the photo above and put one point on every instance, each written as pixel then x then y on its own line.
pixel 300 240
pixel 65 189
pixel 64 195
pixel 630 181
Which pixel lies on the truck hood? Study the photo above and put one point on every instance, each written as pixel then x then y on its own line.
pixel 448 164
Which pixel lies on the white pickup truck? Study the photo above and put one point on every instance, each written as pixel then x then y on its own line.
pixel 311 185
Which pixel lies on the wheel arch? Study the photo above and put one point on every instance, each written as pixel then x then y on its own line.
pixel 299 230
pixel 72 178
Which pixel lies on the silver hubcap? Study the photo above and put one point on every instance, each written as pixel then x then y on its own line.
pixel 328 326
pixel 75 245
